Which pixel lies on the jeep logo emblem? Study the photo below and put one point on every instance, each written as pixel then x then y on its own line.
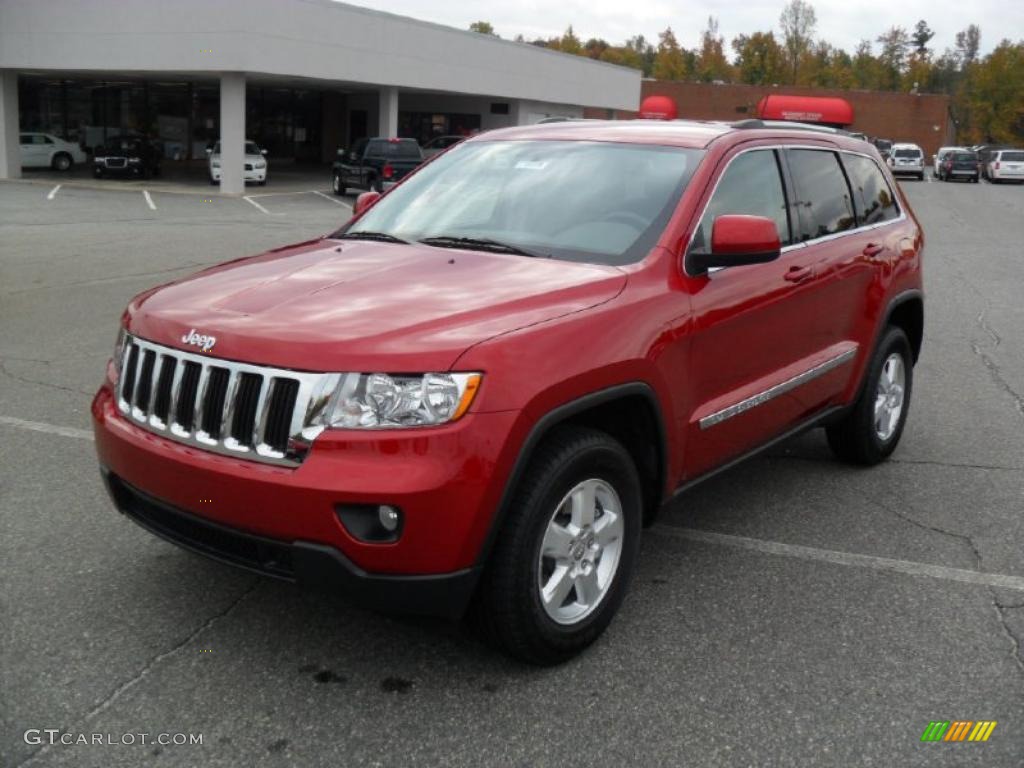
pixel 205 343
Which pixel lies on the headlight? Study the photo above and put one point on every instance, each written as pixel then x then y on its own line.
pixel 134 159
pixel 119 347
pixel 380 401
pixel 260 164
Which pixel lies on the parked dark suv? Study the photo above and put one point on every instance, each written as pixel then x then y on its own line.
pixel 126 156
pixel 376 164
pixel 475 393
pixel 960 164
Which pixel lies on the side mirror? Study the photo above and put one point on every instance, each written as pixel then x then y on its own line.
pixel 263 151
pixel 739 240
pixel 364 201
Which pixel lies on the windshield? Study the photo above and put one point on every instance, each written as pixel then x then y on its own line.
pixel 1012 157
pixel 582 201
pixel 403 149
pixel 907 153
pixel 121 144
pixel 250 148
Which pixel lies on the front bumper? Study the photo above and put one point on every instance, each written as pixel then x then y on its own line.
pixel 447 481
pixel 311 565
pixel 256 174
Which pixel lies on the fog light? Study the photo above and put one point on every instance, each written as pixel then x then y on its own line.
pixel 373 523
pixel 389 518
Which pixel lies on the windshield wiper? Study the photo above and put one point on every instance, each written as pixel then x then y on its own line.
pixel 480 244
pixel 382 237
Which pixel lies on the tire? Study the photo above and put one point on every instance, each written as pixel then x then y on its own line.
pixel 857 439
pixel 97 172
pixel 337 185
pixel 213 182
pixel 920 176
pixel 508 608
pixel 62 161
pixel 975 180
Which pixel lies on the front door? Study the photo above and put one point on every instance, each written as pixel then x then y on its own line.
pixel 762 350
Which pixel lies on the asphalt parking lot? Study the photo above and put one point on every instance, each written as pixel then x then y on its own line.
pixel 790 612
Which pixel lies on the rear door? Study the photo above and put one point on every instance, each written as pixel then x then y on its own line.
pixel 758 330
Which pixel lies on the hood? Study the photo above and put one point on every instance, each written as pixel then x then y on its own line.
pixel 354 305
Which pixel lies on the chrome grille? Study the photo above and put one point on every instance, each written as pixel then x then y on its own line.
pixel 241 410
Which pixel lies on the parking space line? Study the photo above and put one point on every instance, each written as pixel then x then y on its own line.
pixel 53 429
pixel 53 192
pixel 149 200
pixel 835 557
pixel 254 203
pixel 332 199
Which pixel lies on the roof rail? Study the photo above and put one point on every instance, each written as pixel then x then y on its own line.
pixel 793 126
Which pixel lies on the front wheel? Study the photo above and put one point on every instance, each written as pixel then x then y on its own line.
pixel 563 558
pixel 871 431
pixel 62 161
pixel 337 185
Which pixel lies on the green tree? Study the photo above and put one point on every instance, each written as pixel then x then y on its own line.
pixel 569 43
pixel 921 36
pixel 669 61
pixel 798 21
pixel 866 69
pixel 993 96
pixel 483 27
pixel 760 60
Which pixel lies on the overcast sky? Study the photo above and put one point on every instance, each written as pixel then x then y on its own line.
pixel 842 22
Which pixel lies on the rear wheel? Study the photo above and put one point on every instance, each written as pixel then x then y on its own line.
pixel 62 161
pixel 563 558
pixel 337 184
pixel 871 431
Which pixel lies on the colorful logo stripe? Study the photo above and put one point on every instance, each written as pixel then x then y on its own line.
pixel 958 730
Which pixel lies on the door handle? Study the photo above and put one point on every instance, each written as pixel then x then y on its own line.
pixel 873 249
pixel 799 274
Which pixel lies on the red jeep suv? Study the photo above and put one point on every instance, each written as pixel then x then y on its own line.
pixel 472 397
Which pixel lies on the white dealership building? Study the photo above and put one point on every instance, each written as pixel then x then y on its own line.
pixel 300 77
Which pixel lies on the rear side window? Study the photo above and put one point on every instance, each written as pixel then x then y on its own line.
pixel 751 185
pixel 823 196
pixel 872 197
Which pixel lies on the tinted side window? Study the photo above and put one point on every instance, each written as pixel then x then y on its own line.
pixel 824 197
pixel 751 185
pixel 375 148
pixel 872 196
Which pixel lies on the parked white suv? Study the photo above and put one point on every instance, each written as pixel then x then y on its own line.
pixel 939 156
pixel 1006 165
pixel 255 163
pixel 44 150
pixel 907 158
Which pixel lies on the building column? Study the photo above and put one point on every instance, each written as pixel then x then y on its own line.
pixel 387 119
pixel 10 153
pixel 517 113
pixel 232 133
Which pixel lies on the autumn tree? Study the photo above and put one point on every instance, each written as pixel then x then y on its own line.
pixel 798 21
pixel 669 61
pixel 893 56
pixel 760 60
pixel 712 64
pixel 483 27
pixel 968 42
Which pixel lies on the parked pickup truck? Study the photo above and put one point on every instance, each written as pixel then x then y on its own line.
pixel 376 164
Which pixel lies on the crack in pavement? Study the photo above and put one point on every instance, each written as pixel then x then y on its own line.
pixel 1000 609
pixel 997 376
pixel 108 701
pixel 921 462
pixel 33 382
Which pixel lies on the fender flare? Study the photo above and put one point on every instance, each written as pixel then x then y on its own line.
pixel 552 419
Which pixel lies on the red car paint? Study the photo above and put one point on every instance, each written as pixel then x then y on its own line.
pixel 544 333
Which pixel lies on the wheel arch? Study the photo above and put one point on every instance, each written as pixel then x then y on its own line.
pixel 906 311
pixel 628 412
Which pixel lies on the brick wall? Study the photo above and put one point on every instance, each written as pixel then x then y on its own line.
pixel 923 119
